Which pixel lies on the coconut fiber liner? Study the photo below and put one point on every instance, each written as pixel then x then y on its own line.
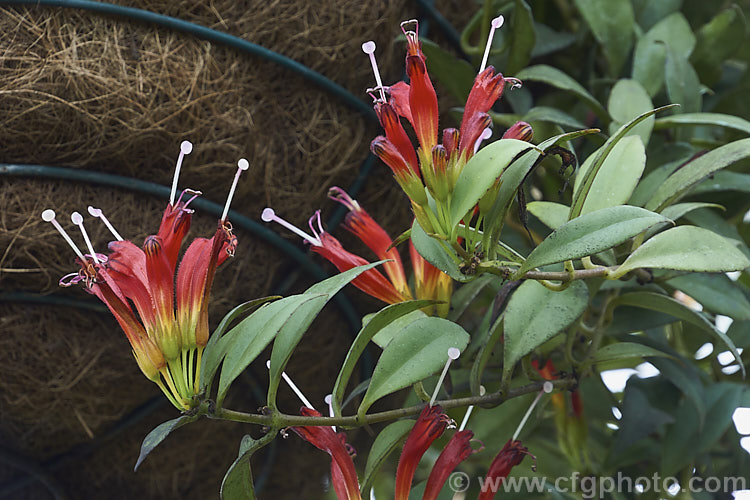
pixel 112 95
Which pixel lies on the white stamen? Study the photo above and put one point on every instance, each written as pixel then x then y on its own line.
pixel 96 212
pixel 185 148
pixel 453 354
pixel 495 24
pixel 49 216
pixel 329 401
pixel 369 49
pixel 242 165
pixel 269 215
pixel 296 390
pixel 486 134
pixel 78 221
pixel 470 409
pixel 546 388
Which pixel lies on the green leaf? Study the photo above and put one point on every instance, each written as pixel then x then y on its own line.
pixel 552 115
pixel 613 23
pixel 481 172
pixel 549 41
pixel 418 351
pixel 716 293
pixel 686 437
pixel 618 175
pixel 678 210
pixel 384 336
pixel 628 100
pixel 639 419
pixel 159 434
pixel 686 248
pixel 243 343
pixel 648 12
pixel 437 253
pixel 626 350
pixel 677 184
pixel 718 40
pixel 295 327
pixel 587 177
pixel 463 297
pixel 558 79
pixel 377 322
pixel 651 50
pixel 522 38
pixel 590 234
pixel 724 180
pixel 385 444
pixel 215 351
pixel 715 119
pixel 551 214
pixel 238 481
pixel 666 304
pixel 455 75
pixel 527 325
pixel 683 85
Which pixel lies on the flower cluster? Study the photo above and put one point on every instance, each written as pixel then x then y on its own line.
pixel 168 325
pixel 428 174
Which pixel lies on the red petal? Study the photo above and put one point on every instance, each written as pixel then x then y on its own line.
pixel 511 455
pixel 455 452
pixel 343 473
pixel 389 154
pixel 422 102
pixel 470 134
pixel 396 134
pixel 372 282
pixel 521 131
pixel 399 100
pixel 429 426
pixel 175 224
pixel 487 89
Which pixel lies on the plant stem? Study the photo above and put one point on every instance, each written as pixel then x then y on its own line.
pixel 280 420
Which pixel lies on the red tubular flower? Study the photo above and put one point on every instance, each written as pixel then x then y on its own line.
pixel 399 93
pixel 509 456
pixel 396 134
pixel 364 227
pixel 423 103
pixel 429 426
pixel 430 282
pixel 521 131
pixel 372 281
pixel 455 452
pixel 487 88
pixel 343 473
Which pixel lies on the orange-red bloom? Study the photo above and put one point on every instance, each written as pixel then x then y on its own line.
pixel 509 456
pixel 343 473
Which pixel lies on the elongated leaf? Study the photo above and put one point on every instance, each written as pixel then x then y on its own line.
pixel 159 434
pixel 718 40
pixel 618 175
pixel 651 50
pixel 558 79
pixel 724 180
pixel 648 13
pixel 668 305
pixel 677 184
pixel 238 481
pixel 437 253
pixel 590 234
pixel 612 22
pixel 686 248
pixel 385 444
pixel 465 295
pixel 580 194
pixel 418 351
pixel 552 115
pixel 527 325
pixel 215 351
pixel 252 335
pixel 522 38
pixel 716 292
pixel 384 336
pixel 481 172
pixel 626 350
pixel 679 210
pixel 683 85
pixel 377 322
pixel 552 215
pixel 627 100
pixel 295 327
pixel 692 119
